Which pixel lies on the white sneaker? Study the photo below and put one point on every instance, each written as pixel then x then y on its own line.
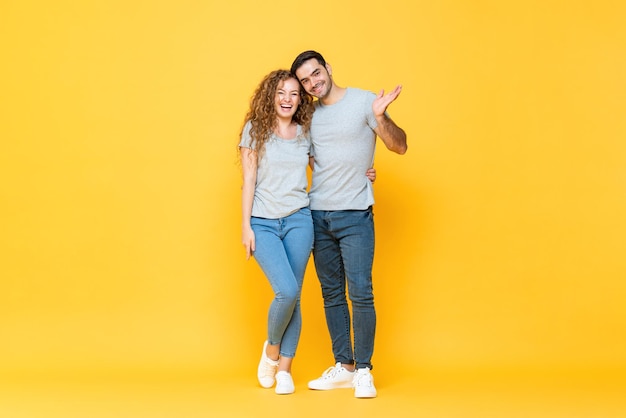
pixel 336 377
pixel 267 369
pixel 364 384
pixel 284 383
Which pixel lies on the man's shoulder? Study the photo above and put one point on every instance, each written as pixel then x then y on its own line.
pixel 357 95
pixel 360 92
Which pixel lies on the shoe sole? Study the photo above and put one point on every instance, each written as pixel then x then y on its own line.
pixel 347 385
pixel 267 385
pixel 284 392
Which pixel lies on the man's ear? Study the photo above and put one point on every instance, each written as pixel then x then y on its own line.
pixel 329 69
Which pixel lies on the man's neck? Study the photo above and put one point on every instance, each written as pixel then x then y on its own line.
pixel 334 95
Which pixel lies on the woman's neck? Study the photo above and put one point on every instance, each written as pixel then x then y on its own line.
pixel 285 128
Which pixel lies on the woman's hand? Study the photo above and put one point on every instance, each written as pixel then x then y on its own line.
pixel 371 174
pixel 247 239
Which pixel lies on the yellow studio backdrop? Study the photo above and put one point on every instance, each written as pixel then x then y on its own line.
pixel 500 234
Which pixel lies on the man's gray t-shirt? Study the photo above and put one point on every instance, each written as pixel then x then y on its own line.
pixel 281 180
pixel 343 146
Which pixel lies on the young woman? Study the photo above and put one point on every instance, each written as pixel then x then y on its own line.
pixel 276 221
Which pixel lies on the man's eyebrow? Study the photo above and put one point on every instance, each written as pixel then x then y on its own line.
pixel 312 72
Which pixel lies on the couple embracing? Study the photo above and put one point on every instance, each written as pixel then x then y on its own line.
pixel 284 131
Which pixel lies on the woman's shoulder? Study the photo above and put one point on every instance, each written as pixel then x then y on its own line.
pixel 246 127
pixel 301 134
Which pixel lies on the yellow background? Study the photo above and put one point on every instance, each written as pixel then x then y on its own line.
pixel 500 234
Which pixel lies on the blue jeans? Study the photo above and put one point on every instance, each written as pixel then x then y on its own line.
pixel 283 248
pixel 344 253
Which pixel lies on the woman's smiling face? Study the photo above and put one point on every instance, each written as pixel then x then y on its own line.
pixel 287 98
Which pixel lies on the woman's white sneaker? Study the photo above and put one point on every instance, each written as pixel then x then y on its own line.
pixel 336 377
pixel 364 384
pixel 284 383
pixel 266 371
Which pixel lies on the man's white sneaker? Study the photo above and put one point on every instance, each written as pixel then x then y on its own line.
pixel 335 377
pixel 267 369
pixel 284 383
pixel 364 384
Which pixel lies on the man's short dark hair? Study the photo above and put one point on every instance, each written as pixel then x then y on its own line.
pixel 305 56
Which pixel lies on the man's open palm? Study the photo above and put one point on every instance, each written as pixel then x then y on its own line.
pixel 382 101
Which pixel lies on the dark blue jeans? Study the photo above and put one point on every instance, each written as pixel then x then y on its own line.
pixel 343 252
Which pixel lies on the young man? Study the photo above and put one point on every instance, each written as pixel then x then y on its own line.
pixel 345 124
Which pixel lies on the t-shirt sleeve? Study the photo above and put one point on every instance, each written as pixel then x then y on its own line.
pixel 308 138
pixel 369 113
pixel 246 139
pixel 368 100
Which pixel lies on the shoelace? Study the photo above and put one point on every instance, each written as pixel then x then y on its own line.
pixel 268 369
pixel 330 372
pixel 362 379
pixel 282 378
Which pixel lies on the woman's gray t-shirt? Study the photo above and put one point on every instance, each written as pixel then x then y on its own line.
pixel 281 181
pixel 343 146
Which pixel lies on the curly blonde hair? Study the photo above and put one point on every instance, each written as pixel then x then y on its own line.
pixel 262 112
